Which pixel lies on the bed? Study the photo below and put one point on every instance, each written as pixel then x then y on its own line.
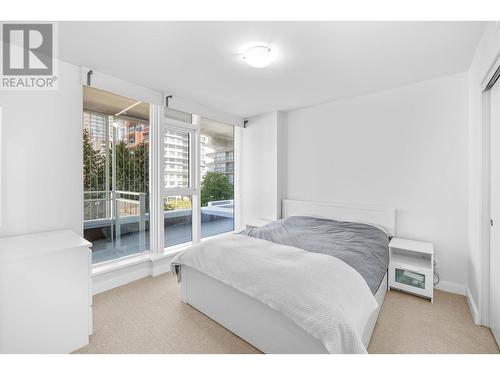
pixel 262 322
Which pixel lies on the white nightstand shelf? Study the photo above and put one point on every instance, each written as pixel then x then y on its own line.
pixel 411 267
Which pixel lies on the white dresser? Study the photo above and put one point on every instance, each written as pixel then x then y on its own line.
pixel 45 293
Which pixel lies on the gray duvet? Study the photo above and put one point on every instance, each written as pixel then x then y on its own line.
pixel 362 246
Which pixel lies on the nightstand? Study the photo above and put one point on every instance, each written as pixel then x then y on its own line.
pixel 411 267
pixel 256 223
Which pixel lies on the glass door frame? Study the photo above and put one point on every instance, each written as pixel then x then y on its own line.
pixel 194 188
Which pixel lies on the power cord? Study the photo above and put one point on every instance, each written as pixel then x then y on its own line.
pixel 436 275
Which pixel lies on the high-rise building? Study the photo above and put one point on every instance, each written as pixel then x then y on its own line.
pixel 176 146
pixel 217 153
pixel 95 125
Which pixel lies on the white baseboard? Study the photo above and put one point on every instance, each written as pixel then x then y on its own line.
pixel 456 288
pixel 118 277
pixel 161 266
pixel 451 287
pixel 473 307
pixel 127 273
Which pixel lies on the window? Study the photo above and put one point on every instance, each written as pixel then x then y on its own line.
pixel 115 175
pixel 193 177
pixel 198 177
pixel 179 183
pixel 217 178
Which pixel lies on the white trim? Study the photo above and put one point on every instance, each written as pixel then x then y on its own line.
pixel 485 211
pixel 156 167
pixel 118 86
pixel 196 176
pixel 483 202
pixel 238 135
pixel 120 276
pixel 123 272
pixel 184 105
pixel 451 287
pixel 472 307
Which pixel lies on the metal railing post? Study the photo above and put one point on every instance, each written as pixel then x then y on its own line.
pixel 118 229
pixel 106 168
pixel 114 213
pixel 142 220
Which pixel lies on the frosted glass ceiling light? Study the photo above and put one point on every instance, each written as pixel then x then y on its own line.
pixel 258 57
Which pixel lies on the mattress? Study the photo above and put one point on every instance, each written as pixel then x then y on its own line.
pixel 306 287
pixel 362 246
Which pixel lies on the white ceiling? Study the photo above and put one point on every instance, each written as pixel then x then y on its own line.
pixel 317 61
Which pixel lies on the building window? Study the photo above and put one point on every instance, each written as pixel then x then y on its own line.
pixel 179 163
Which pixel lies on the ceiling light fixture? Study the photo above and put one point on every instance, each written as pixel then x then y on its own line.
pixel 258 57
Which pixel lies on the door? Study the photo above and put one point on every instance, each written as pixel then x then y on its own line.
pixel 495 213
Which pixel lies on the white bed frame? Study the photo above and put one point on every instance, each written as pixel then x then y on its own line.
pixel 255 322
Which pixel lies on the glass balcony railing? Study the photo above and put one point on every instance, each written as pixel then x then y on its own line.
pixel 118 224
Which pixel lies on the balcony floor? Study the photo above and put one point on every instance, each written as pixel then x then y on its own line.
pixel 104 249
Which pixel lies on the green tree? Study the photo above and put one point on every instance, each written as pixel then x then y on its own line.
pixel 216 187
pixel 93 166
pixel 132 167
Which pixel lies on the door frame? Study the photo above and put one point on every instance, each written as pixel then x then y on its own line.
pixel 494 114
pixel 483 308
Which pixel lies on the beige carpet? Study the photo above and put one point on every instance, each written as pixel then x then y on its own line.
pixel 409 324
pixel 147 317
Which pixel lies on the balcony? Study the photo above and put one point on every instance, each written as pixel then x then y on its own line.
pixel 127 232
pixel 221 159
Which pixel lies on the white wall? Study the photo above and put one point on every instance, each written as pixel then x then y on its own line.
pixel 42 157
pixel 485 56
pixel 261 167
pixel 405 148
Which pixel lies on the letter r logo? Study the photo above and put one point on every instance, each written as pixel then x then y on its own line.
pixel 27 49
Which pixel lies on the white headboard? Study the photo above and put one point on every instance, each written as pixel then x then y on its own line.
pixel 377 215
